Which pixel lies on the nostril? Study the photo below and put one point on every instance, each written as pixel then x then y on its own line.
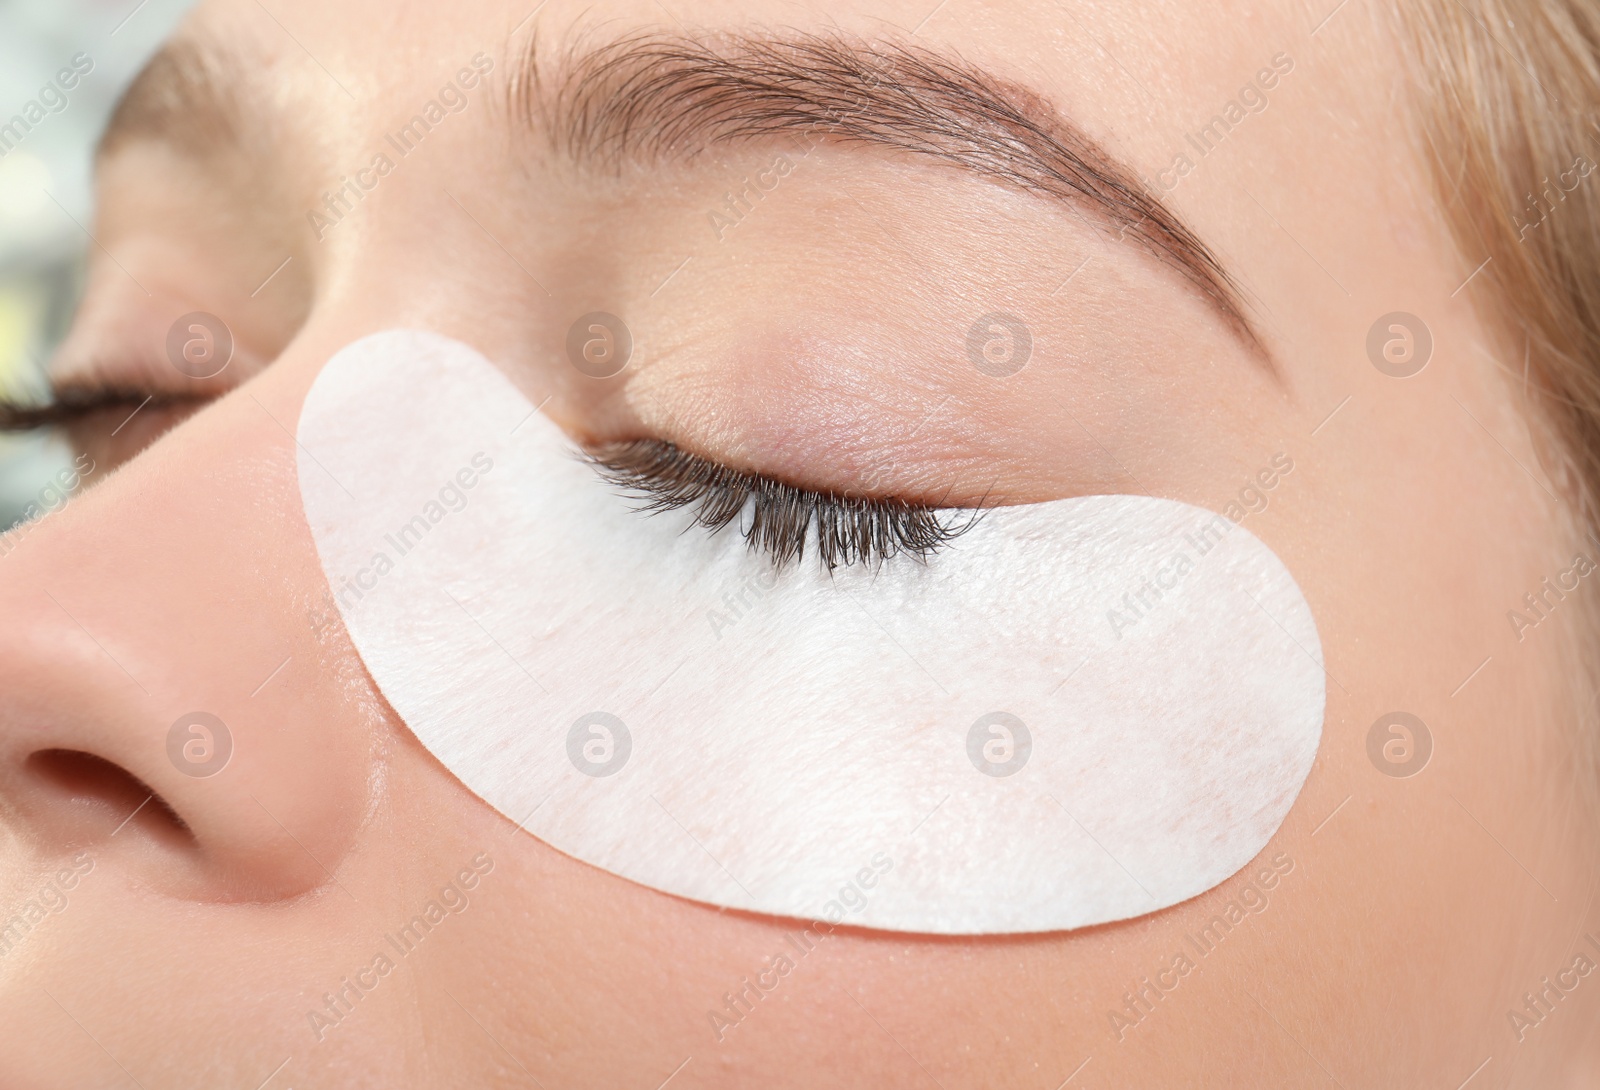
pixel 93 796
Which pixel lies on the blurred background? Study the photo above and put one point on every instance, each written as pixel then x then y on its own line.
pixel 47 139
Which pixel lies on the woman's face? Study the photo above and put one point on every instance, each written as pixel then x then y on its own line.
pixel 815 330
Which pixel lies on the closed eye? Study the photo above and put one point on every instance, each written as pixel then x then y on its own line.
pixel 781 517
pixel 73 405
pixel 109 422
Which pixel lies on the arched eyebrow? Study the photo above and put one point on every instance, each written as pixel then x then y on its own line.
pixel 656 98
pixel 192 96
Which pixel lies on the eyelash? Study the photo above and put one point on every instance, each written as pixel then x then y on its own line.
pixel 848 529
pixel 70 407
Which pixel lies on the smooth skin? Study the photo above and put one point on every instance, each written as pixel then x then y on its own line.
pixel 821 339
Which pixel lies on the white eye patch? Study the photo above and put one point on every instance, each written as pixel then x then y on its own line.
pixel 1079 711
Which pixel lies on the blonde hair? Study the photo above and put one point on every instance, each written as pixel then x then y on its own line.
pixel 1508 112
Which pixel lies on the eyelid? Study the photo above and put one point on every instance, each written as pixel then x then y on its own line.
pixel 848 529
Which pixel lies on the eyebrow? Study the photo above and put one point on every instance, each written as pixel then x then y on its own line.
pixel 188 96
pixel 657 98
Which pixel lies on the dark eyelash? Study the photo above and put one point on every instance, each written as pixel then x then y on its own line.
pixel 70 405
pixel 848 529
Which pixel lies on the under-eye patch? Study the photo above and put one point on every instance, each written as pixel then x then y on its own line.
pixel 1072 712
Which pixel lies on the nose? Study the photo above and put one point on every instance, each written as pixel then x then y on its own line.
pixel 173 697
